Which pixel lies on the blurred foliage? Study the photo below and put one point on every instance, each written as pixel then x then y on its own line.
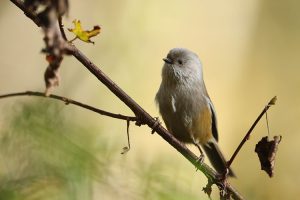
pixel 157 185
pixel 45 155
pixel 39 158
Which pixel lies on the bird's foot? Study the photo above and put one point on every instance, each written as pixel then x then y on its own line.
pixel 200 159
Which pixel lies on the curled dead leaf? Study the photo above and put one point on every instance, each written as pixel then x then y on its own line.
pixel 48 12
pixel 51 75
pixel 208 188
pixel 266 151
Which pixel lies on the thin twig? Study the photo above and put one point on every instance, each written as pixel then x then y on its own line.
pixel 143 117
pixel 127 148
pixel 267 121
pixel 127 130
pixel 71 101
pixel 271 102
pixel 73 39
pixel 61 28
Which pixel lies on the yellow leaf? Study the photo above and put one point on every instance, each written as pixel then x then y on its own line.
pixel 84 35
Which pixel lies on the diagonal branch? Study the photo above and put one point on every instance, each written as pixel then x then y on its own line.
pixel 142 116
pixel 71 101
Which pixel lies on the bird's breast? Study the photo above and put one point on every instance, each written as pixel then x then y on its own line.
pixel 187 115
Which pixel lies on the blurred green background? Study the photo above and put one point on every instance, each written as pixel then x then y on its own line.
pixel 250 52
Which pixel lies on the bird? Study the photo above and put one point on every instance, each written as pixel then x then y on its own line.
pixel 186 107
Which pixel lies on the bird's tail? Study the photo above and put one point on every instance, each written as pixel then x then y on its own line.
pixel 216 157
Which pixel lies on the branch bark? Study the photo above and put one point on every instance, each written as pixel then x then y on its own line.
pixel 140 113
pixel 71 101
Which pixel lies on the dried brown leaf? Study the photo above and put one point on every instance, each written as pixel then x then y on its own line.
pixel 266 151
pixel 208 188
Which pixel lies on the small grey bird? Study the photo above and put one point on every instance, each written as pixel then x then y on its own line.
pixel 186 108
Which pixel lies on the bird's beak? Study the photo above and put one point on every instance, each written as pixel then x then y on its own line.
pixel 168 60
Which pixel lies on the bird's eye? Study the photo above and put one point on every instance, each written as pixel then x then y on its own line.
pixel 180 62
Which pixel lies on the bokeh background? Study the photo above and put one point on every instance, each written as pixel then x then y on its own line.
pixel 250 52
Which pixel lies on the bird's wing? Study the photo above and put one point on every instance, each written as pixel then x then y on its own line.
pixel 214 128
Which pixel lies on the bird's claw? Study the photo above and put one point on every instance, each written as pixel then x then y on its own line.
pixel 200 159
